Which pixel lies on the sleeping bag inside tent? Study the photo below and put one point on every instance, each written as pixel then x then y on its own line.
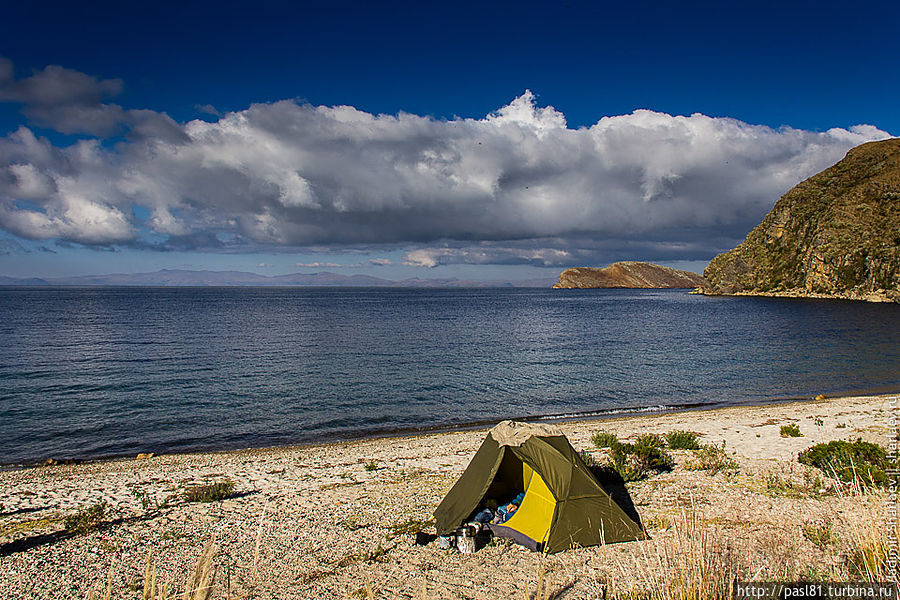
pixel 562 503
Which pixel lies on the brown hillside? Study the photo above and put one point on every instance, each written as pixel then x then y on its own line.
pixel 836 234
pixel 628 275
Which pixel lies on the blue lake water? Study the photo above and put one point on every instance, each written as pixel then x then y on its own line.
pixel 93 372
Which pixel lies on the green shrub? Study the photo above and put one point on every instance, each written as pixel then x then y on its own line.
pixel 636 461
pixel 619 451
pixel 86 519
pixel 624 463
pixel 776 486
pixel 792 430
pixel 650 449
pixel 683 440
pixel 604 439
pixel 370 466
pixel 849 461
pixel 588 459
pixel 709 457
pixel 210 492
pixel 373 556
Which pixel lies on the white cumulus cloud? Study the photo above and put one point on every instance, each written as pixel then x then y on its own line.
pixel 289 175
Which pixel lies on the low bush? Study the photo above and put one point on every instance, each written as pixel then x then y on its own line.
pixel 849 461
pixel 86 519
pixel 636 461
pixel 210 492
pixel 588 459
pixel 373 556
pixel 650 449
pixel 683 440
pixel 604 439
pixel 819 534
pixel 792 430
pixel 712 458
pixel 626 465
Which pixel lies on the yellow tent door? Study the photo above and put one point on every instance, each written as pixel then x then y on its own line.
pixel 534 516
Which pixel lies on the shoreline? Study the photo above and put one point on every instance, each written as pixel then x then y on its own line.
pixel 584 417
pixel 325 520
pixel 874 297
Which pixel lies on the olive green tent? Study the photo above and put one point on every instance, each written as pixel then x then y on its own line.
pixel 564 504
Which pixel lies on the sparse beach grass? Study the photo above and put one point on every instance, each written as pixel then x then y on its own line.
pixel 86 519
pixel 712 458
pixel 209 492
pixel 410 526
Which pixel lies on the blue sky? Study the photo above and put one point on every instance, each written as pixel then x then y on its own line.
pixel 479 140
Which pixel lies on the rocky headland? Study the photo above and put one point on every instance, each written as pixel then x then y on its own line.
pixel 834 235
pixel 628 274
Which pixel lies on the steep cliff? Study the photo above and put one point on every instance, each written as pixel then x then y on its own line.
pixel 628 275
pixel 837 234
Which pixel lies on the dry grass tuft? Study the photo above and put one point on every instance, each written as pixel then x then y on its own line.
pixel 200 585
pixel 867 552
pixel 106 594
pixel 542 587
pixel 694 563
pixel 256 546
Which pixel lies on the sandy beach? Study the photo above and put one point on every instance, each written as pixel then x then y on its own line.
pixel 336 520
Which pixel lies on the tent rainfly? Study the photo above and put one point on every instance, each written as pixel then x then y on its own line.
pixel 564 504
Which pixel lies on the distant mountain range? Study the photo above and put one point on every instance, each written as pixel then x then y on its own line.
pixel 185 278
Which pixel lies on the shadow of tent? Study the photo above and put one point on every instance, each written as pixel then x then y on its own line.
pixel 27 543
pixel 613 484
pixel 20 511
pixel 43 539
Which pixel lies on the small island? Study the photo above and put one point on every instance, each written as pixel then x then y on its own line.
pixel 628 274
